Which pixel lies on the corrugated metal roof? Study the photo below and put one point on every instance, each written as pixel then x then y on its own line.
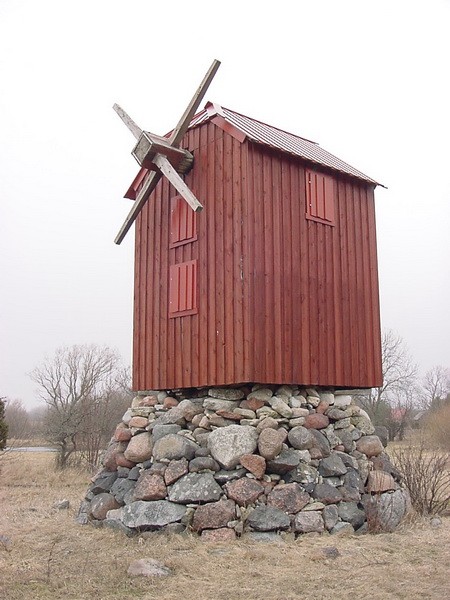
pixel 261 133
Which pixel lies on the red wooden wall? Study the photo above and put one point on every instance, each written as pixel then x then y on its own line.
pixel 280 298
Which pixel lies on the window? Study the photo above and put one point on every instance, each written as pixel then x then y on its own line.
pixel 183 223
pixel 183 289
pixel 320 197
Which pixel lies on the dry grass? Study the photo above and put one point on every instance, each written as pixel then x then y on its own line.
pixel 52 557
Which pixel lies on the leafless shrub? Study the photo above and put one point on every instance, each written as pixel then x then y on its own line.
pixel 426 475
pixel 77 386
pixel 438 428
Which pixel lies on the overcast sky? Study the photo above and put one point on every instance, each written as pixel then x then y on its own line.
pixel 367 80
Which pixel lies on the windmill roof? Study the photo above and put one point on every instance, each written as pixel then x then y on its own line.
pixel 275 138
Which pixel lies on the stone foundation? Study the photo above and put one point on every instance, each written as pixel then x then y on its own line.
pixel 251 459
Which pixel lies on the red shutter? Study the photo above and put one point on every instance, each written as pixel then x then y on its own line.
pixel 183 225
pixel 183 289
pixel 319 197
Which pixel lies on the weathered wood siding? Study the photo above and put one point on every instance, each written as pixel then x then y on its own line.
pixel 208 347
pixel 314 309
pixel 281 299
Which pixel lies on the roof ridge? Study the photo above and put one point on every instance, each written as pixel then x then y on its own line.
pixel 267 125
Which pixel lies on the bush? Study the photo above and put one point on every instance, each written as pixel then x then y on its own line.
pixel 425 472
pixel 438 427
pixel 3 425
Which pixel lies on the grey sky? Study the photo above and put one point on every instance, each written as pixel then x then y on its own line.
pixel 367 80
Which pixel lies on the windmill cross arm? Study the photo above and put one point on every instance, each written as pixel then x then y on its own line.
pixel 166 168
pixel 132 126
pixel 149 185
pixel 183 124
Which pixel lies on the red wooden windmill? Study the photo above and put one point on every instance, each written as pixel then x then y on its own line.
pixel 274 282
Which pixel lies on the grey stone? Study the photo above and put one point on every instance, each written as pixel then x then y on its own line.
pixel 364 424
pixel 188 409
pixel 6 543
pixel 305 474
pixel 330 516
pixel 355 433
pixel 326 493
pixel 123 472
pixel 173 416
pixel 202 463
pixel 331 436
pixel 308 522
pixel 160 431
pixel 342 529
pixel 342 424
pixel 280 406
pixel 148 567
pixel 321 443
pixel 353 479
pixel 336 414
pixel 301 438
pixel 349 461
pixel 262 394
pixel 383 434
pixel 263 536
pixel 345 435
pixel 342 400
pixel 134 473
pixel 215 404
pixel 82 517
pixel 224 476
pixel 228 444
pixel 116 525
pixel 103 482
pixel 195 487
pixel 351 513
pixel 332 466
pixel 226 393
pixel 153 514
pixel 120 488
pixel 386 511
pixel 174 447
pixel 287 460
pixel 267 518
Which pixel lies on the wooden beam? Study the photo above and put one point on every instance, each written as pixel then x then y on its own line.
pixel 135 129
pixel 166 168
pixel 183 124
pixel 174 140
pixel 148 187
pixel 150 144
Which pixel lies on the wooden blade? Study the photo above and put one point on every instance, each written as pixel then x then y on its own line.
pixel 135 129
pixel 167 169
pixel 174 140
pixel 148 187
pixel 181 128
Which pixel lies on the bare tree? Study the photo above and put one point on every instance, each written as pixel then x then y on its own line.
pixel 435 388
pixel 101 418
pixel 399 378
pixel 18 420
pixel 71 383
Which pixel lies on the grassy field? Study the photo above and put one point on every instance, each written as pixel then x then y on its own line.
pixel 53 557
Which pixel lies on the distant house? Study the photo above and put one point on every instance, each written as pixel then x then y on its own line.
pixel 275 281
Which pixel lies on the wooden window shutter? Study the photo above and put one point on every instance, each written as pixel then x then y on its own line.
pixel 183 223
pixel 183 289
pixel 320 197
